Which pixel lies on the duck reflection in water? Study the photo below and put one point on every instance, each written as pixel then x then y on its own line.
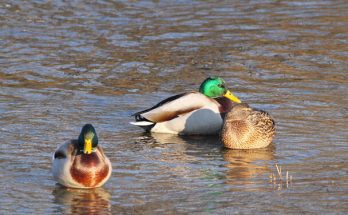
pixel 244 166
pixel 163 138
pixel 82 201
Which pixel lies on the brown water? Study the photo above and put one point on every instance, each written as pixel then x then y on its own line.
pixel 66 63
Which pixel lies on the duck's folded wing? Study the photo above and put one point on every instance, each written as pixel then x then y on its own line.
pixel 174 106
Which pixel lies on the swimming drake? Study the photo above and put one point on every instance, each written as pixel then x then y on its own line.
pixel 247 128
pixel 190 113
pixel 81 163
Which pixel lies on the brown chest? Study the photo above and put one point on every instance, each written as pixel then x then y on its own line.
pixel 89 170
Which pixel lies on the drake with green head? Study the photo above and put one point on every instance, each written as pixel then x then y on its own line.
pixel 190 113
pixel 81 163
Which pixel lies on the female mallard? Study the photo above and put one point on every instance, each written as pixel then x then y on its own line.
pixel 81 163
pixel 190 113
pixel 247 128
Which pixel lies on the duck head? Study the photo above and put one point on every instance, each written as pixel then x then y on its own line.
pixel 88 139
pixel 215 87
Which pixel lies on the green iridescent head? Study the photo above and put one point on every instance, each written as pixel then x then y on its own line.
pixel 214 87
pixel 88 139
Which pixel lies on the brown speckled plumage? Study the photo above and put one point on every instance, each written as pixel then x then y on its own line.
pixel 247 128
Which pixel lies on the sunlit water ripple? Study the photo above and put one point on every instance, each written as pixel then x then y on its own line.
pixel 64 64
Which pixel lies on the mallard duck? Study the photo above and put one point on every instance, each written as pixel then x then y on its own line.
pixel 247 128
pixel 81 163
pixel 190 113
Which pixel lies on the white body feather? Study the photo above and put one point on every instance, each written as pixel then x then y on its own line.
pixel 191 113
pixel 201 121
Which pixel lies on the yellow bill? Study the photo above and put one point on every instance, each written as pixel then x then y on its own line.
pixel 88 146
pixel 232 97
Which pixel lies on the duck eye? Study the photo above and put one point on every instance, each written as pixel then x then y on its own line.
pixel 221 85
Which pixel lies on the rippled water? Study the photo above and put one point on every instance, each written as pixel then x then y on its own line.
pixel 66 63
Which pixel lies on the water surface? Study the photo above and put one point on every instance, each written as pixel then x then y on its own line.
pixel 64 64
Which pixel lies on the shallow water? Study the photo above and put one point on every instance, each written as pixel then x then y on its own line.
pixel 64 64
